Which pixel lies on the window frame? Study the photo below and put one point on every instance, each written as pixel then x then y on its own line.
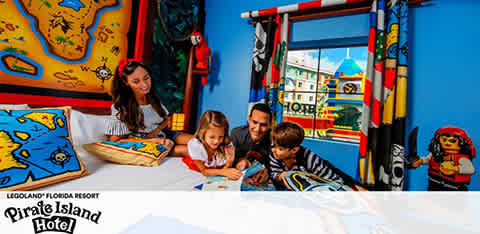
pixel 319 45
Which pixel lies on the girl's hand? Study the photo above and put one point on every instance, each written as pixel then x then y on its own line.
pixel 232 173
pixel 230 153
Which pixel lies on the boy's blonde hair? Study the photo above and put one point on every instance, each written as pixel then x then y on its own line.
pixel 288 135
pixel 213 119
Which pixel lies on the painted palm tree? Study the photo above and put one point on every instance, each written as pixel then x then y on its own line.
pixel 64 41
pixel 13 51
pixel 45 3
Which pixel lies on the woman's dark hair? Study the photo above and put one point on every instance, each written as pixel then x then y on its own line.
pixel 124 99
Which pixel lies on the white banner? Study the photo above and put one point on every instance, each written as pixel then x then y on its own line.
pixel 239 212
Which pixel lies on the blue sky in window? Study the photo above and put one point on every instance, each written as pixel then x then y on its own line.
pixel 330 59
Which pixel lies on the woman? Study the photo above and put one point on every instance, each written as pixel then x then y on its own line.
pixel 137 109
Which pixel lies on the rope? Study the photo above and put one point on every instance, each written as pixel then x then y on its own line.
pixel 164 27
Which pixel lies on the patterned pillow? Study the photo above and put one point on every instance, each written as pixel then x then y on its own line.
pixel 132 153
pixel 36 148
pixel 303 182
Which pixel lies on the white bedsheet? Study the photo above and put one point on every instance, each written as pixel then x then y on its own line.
pixel 171 174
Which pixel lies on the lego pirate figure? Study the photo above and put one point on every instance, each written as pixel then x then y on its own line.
pixel 450 160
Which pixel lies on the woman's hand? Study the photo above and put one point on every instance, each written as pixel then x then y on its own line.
pixel 232 173
pixel 154 133
pixel 161 141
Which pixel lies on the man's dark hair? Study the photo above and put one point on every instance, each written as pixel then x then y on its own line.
pixel 263 108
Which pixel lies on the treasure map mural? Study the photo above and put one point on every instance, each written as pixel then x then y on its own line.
pixel 61 48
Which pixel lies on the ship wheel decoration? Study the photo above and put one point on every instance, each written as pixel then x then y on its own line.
pixel 59 157
pixel 103 73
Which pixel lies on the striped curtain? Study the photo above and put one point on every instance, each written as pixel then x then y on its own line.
pixel 381 161
pixel 269 64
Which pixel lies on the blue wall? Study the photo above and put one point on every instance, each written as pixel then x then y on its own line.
pixel 442 58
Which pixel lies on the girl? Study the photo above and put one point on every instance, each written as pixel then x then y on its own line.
pixel 211 149
pixel 137 109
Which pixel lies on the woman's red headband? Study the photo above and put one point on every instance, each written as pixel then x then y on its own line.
pixel 125 62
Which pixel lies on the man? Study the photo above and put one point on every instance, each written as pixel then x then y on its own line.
pixel 252 142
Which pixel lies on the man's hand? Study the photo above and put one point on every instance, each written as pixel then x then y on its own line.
pixel 261 176
pixel 242 164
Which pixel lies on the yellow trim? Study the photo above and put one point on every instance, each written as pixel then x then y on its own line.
pixel 387 115
pixel 401 102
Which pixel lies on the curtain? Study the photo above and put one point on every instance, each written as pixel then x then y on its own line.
pixel 262 53
pixel 381 152
pixel 269 64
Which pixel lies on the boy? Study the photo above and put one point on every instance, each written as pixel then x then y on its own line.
pixel 288 155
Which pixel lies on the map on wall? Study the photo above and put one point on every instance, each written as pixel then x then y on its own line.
pixel 62 46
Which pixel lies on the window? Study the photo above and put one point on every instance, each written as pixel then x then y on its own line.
pixel 333 104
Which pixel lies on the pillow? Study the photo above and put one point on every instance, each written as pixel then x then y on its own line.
pixel 14 106
pixel 36 148
pixel 132 153
pixel 303 182
pixel 87 128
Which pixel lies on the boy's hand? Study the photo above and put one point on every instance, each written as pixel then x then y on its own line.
pixel 282 178
pixel 232 173
pixel 361 189
pixel 242 164
pixel 261 176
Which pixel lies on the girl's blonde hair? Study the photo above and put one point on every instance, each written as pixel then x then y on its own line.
pixel 213 119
